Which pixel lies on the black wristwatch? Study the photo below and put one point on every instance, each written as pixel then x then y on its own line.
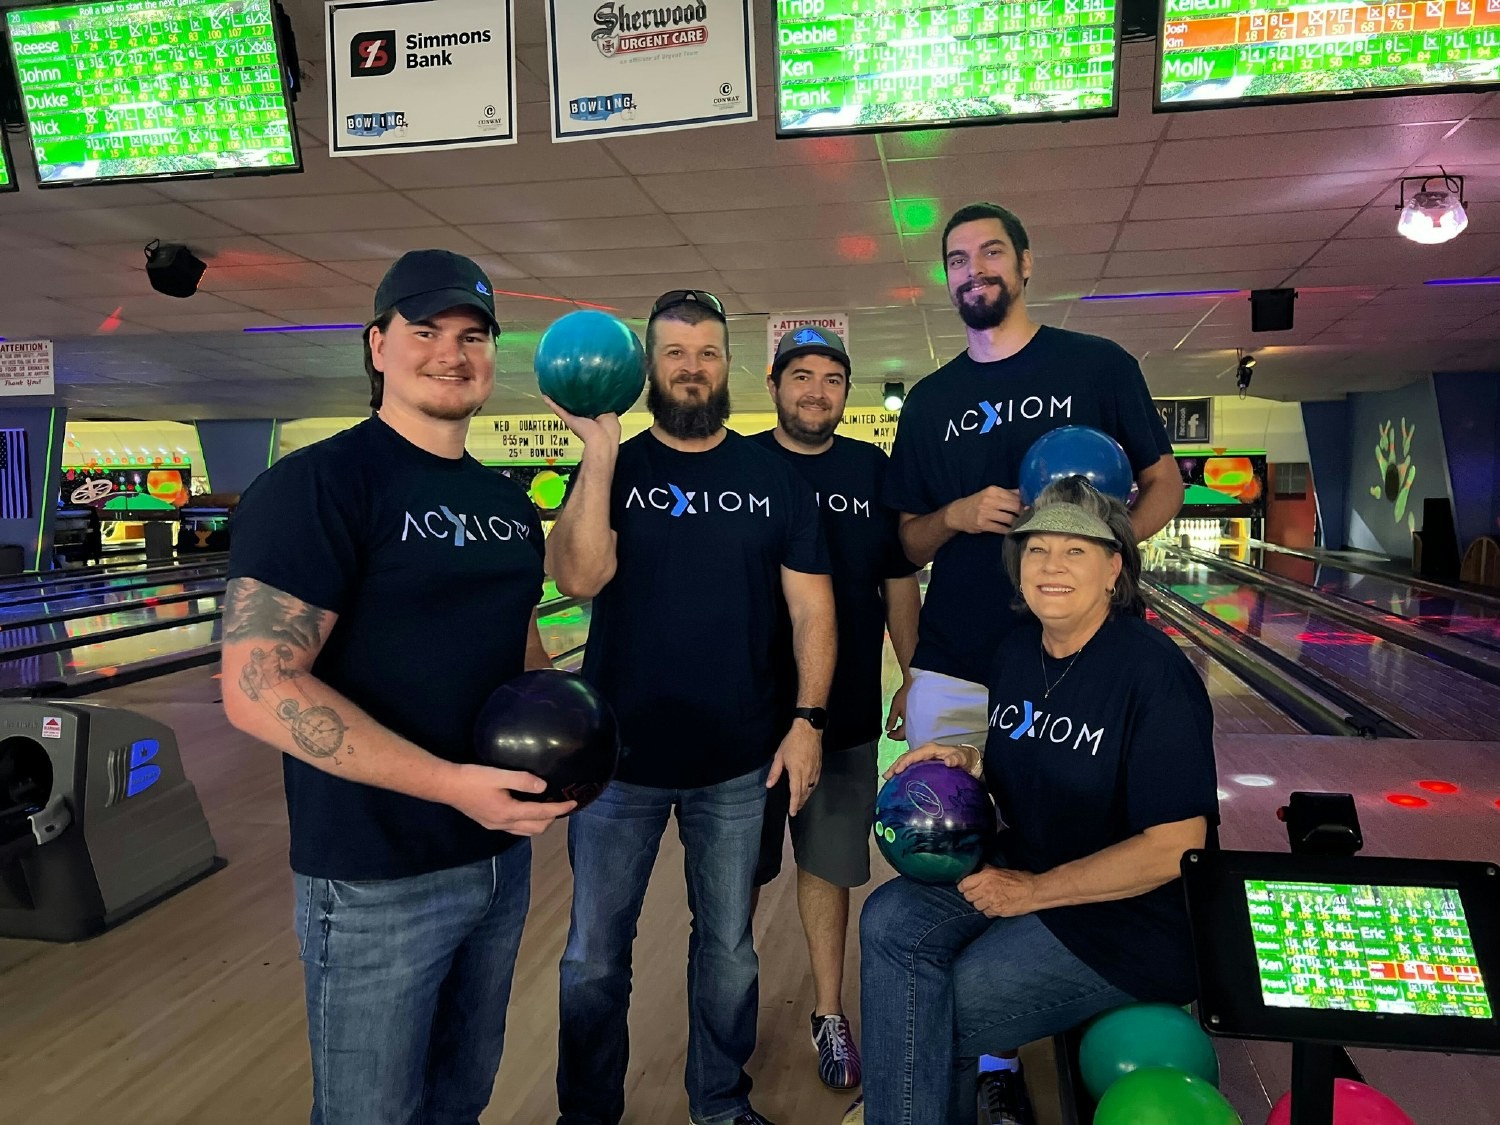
pixel 816 717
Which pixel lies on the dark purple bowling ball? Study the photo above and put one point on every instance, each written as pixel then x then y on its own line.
pixel 934 823
pixel 555 725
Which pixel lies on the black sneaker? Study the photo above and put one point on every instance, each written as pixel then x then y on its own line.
pixel 1003 1099
pixel 838 1055
pixel 749 1117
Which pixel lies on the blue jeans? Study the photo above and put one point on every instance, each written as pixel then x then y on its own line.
pixel 613 844
pixel 941 984
pixel 407 983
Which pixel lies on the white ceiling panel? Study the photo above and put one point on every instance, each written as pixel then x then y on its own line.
pixel 1215 199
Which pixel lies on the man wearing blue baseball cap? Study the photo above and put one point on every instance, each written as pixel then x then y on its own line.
pixel 412 863
pixel 874 588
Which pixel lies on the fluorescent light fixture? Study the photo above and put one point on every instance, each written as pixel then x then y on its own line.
pixel 1149 296
pixel 1463 281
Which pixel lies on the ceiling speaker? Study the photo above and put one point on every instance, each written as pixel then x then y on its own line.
pixel 172 269
pixel 1271 309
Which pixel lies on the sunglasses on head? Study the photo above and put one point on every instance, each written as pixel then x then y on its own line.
pixel 689 297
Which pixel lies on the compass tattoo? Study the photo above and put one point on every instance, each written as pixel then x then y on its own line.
pixel 291 631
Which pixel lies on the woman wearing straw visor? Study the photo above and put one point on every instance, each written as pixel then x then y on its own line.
pixel 1100 759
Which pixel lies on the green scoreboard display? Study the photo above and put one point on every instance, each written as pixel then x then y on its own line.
pixel 1217 52
pixel 143 89
pixel 847 66
pixel 1381 949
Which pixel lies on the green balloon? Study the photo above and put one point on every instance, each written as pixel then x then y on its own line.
pixel 1157 1095
pixel 1144 1035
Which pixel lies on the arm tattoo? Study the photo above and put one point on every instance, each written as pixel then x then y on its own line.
pixel 256 611
pixel 259 612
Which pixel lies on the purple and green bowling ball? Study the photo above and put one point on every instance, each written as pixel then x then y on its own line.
pixel 934 823
pixel 1080 451
pixel 590 363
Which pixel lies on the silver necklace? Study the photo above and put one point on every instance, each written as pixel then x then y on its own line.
pixel 1049 687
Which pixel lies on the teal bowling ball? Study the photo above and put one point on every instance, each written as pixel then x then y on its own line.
pixel 1138 1036
pixel 590 363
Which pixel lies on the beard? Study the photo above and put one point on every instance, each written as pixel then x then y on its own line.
pixel 981 314
pixel 449 413
pixel 803 433
pixel 693 418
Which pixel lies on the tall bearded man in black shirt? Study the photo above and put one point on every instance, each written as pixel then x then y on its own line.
pixel 955 465
pixel 691 539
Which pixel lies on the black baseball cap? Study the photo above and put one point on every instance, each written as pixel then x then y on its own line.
pixel 809 340
pixel 424 283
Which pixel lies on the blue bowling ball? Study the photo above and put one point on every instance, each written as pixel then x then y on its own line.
pixel 590 363
pixel 1076 451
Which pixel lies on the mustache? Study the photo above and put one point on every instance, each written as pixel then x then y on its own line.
pixel 979 283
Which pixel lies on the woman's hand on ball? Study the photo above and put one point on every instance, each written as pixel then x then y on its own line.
pixel 605 428
pixel 486 796
pixel 965 758
pixel 1000 892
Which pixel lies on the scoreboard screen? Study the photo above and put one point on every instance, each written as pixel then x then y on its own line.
pixel 848 66
pixel 1216 52
pixel 1391 950
pixel 7 169
pixel 143 89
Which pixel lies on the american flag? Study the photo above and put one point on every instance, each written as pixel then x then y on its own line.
pixel 15 476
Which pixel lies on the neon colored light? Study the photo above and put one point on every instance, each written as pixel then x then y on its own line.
pixel 304 328
pixel 1406 800
pixel 1438 786
pixel 41 523
pixel 1463 281
pixel 1149 296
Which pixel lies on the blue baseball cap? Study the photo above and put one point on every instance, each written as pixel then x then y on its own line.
pixel 424 283
pixel 809 340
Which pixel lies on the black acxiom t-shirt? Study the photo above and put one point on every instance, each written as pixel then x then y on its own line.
pixel 1123 743
pixel 864 550
pixel 433 566
pixel 967 426
pixel 682 641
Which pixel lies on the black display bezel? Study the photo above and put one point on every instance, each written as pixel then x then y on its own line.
pixel 283 46
pixel 1230 1000
pixel 1112 110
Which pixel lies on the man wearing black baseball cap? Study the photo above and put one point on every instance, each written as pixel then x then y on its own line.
pixel 874 588
pixel 411 862
pixel 691 541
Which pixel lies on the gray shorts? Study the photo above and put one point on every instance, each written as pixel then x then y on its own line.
pixel 831 835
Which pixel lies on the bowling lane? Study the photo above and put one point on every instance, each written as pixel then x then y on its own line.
pixel 18 583
pixel 100 626
pixel 1450 615
pixel 1430 700
pixel 1238 708
pixel 76 606
pixel 86 664
pixel 98 587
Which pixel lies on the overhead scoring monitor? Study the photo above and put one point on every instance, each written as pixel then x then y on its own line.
pixel 147 89
pixel 1212 53
pixel 848 66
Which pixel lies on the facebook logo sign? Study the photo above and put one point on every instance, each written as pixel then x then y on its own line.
pixel 142 775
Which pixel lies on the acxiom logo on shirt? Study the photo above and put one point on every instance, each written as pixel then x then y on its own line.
pixel 680 502
pixel 1027 722
pixel 986 416
pixel 460 528
pixel 838 502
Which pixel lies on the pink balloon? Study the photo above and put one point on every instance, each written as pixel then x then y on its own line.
pixel 1354 1103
